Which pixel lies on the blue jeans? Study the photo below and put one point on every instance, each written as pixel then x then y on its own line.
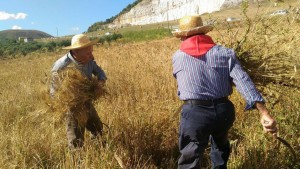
pixel 200 124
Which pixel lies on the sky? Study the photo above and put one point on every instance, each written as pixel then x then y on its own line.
pixel 57 17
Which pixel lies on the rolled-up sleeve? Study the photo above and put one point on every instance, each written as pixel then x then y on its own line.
pixel 244 83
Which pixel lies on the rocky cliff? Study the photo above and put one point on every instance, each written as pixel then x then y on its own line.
pixel 154 11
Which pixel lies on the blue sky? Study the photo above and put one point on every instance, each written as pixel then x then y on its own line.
pixel 57 17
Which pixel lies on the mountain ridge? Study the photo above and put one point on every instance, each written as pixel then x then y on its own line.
pixel 15 34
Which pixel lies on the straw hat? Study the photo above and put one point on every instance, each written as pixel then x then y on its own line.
pixel 80 41
pixel 191 25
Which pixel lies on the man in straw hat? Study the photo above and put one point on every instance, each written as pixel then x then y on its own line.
pixel 205 72
pixel 80 55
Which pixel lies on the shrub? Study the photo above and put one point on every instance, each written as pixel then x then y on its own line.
pixel 143 35
pixel 12 48
pixel 109 38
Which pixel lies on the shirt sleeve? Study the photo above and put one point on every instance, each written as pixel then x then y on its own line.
pixel 55 80
pixel 243 83
pixel 98 71
pixel 176 63
pixel 54 83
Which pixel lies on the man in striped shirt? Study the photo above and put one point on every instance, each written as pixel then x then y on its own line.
pixel 205 72
pixel 81 57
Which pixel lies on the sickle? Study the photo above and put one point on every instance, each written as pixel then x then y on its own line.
pixel 290 148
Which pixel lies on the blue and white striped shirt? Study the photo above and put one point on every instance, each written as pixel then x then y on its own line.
pixel 211 76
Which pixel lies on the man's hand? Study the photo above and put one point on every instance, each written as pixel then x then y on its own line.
pixel 101 83
pixel 267 121
pixel 269 124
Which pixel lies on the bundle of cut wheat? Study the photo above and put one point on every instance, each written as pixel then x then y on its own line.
pixel 74 93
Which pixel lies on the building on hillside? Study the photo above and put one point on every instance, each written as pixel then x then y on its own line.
pixel 108 33
pixel 25 39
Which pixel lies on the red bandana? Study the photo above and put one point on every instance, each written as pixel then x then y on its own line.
pixel 197 46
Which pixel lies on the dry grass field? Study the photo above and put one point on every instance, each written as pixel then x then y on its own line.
pixel 139 113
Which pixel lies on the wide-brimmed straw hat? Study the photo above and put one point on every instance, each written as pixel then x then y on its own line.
pixel 80 41
pixel 191 25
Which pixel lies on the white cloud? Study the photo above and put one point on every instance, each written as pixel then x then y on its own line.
pixel 16 27
pixel 6 16
pixel 75 29
pixel 20 16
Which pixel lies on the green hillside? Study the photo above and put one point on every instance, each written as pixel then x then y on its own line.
pixel 15 34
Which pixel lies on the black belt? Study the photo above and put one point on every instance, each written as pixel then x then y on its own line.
pixel 206 102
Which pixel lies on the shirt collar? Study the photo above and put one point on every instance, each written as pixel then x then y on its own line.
pixel 197 46
pixel 70 56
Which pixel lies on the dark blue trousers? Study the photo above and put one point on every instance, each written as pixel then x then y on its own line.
pixel 200 124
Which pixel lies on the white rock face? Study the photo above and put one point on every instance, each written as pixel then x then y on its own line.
pixel 154 11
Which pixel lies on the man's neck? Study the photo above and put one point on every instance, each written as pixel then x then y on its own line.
pixel 74 56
